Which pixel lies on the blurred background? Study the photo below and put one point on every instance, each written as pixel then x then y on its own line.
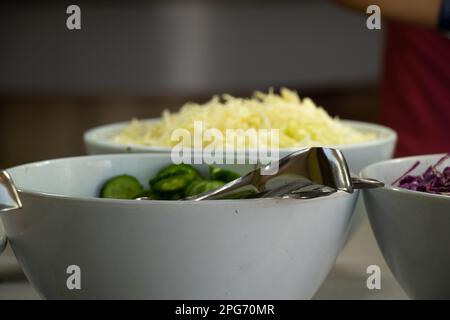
pixel 136 58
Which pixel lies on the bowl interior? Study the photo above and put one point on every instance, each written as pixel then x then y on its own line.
pixel 84 176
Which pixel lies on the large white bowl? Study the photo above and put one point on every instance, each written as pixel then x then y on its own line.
pixel 216 249
pixel 99 141
pixel 412 229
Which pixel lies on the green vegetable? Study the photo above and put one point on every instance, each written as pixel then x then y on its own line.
pixel 174 178
pixel 200 186
pixel 121 187
pixel 152 195
pixel 222 174
pixel 171 184
pixel 176 170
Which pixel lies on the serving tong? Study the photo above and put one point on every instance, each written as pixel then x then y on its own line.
pixel 8 193
pixel 307 173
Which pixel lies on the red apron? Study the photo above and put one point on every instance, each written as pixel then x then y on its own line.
pixel 415 91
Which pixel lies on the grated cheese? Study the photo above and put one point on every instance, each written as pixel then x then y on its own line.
pixel 300 122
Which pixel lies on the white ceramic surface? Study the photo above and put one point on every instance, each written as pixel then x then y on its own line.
pixel 412 229
pixel 228 249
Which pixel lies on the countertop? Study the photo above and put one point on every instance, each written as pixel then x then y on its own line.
pixel 347 280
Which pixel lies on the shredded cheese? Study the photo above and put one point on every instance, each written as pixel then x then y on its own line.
pixel 300 122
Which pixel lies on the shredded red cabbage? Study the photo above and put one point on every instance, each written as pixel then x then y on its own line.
pixel 432 180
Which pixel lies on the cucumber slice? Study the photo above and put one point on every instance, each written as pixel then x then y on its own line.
pixel 199 186
pixel 171 184
pixel 222 174
pixel 121 187
pixel 176 170
pixel 173 179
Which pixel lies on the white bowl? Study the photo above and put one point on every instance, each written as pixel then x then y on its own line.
pixel 358 155
pixel 216 249
pixel 412 229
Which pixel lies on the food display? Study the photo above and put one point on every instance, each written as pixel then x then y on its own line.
pixel 300 122
pixel 164 240
pixel 173 182
pixel 225 155
pixel 433 180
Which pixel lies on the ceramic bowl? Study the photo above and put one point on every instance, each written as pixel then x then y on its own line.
pixel 411 228
pixel 99 141
pixel 129 249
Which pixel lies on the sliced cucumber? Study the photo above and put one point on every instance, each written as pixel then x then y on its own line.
pixel 176 170
pixel 151 195
pixel 222 174
pixel 171 184
pixel 199 186
pixel 174 178
pixel 121 187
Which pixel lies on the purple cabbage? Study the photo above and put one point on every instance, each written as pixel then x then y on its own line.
pixel 432 180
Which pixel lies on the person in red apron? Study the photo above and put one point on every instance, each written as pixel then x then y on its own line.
pixel 415 82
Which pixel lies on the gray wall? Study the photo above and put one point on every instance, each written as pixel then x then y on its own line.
pixel 161 47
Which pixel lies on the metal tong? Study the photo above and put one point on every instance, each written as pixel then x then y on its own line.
pixel 307 173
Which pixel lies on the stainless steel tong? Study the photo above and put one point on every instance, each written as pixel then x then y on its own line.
pixel 307 173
